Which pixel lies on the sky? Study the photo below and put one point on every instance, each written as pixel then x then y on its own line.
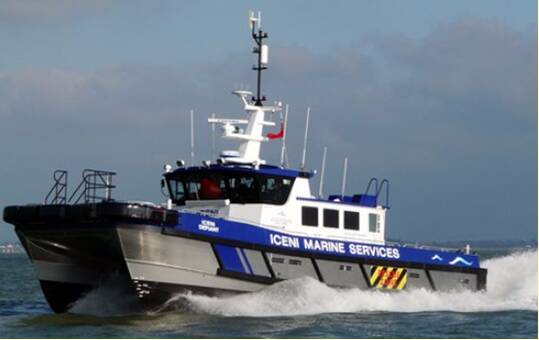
pixel 439 97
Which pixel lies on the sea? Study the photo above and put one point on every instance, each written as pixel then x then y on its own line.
pixel 301 308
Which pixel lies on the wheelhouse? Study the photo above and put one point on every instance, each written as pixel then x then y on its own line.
pixel 243 185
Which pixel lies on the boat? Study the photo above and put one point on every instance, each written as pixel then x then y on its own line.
pixel 233 225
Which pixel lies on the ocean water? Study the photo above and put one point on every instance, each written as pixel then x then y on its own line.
pixel 301 308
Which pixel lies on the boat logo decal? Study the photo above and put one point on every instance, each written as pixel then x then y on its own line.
pixel 209 212
pixel 437 257
pixel 206 225
pixel 388 277
pixel 331 246
pixel 459 259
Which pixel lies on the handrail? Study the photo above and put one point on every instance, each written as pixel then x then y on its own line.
pixel 378 186
pixel 59 189
pixel 375 180
pixel 92 181
pixel 420 246
pixel 386 182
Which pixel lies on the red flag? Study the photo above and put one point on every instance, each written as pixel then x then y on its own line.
pixel 277 135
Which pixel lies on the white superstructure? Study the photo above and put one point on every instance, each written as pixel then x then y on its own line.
pixel 301 213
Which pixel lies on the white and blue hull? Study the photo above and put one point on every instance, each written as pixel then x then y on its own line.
pixel 154 261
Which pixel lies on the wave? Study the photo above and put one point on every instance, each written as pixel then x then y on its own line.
pixel 511 285
pixel 112 298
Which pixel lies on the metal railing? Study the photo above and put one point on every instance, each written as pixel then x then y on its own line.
pixel 58 192
pixel 378 187
pixel 96 185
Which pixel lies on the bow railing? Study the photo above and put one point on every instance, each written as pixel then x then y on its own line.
pixel 96 185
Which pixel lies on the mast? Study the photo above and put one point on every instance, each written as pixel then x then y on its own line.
pixel 251 137
pixel 261 51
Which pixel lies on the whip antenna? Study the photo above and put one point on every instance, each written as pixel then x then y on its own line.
pixel 322 172
pixel 213 136
pixel 192 140
pixel 305 139
pixel 344 177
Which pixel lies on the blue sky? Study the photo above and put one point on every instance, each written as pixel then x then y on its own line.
pixel 440 97
pixel 93 34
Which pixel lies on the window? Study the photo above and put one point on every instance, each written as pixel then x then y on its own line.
pixel 239 187
pixel 243 189
pixel 294 262
pixel 212 188
pixel 177 192
pixel 309 216
pixel 351 220
pixel 274 189
pixel 331 218
pixel 374 223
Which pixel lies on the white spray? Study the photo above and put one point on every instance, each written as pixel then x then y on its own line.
pixel 511 283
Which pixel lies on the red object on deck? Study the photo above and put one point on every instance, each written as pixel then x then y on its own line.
pixel 209 189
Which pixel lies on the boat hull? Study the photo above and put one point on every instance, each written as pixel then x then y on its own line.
pixel 157 264
pixel 72 260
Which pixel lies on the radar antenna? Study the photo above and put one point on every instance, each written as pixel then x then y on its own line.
pixel 261 50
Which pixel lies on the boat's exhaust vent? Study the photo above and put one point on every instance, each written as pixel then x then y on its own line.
pixel 96 185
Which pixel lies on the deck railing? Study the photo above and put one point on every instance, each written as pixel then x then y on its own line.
pixel 96 185
pixel 58 192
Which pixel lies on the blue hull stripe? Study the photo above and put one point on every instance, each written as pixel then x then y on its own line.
pixel 246 260
pixel 229 258
pixel 256 235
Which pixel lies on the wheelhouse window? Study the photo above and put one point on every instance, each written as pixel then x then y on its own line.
pixel 351 220
pixel 331 218
pixel 374 223
pixel 177 190
pixel 242 189
pixel 309 216
pixel 274 189
pixel 239 187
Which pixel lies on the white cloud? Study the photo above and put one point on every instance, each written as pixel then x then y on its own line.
pixel 457 105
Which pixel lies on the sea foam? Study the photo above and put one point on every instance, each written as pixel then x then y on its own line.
pixel 511 285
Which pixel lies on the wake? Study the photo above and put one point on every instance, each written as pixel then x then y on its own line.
pixel 511 285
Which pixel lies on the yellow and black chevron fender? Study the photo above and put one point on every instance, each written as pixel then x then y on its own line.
pixel 388 277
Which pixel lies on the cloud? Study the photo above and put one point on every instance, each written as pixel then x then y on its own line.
pixel 456 108
pixel 471 82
